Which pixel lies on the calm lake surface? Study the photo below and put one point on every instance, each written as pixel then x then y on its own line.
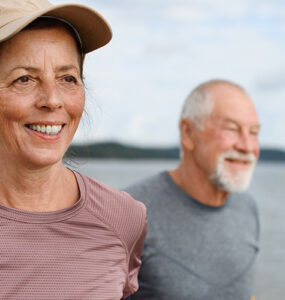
pixel 268 188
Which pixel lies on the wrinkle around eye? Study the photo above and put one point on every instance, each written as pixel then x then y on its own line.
pixel 27 83
pixel 71 79
pixel 70 83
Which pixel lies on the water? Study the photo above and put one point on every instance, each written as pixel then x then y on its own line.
pixel 268 188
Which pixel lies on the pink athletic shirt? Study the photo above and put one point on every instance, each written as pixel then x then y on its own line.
pixel 88 251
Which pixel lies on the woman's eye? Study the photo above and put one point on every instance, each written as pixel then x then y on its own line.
pixel 70 79
pixel 22 79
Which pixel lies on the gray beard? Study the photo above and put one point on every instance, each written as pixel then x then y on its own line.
pixel 229 181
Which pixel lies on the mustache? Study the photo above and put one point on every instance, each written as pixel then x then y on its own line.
pixel 248 157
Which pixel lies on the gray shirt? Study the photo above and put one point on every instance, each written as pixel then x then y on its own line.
pixel 193 251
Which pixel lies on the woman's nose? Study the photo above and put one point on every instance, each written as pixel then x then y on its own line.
pixel 50 97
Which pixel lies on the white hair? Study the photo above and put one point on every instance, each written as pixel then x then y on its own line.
pixel 199 104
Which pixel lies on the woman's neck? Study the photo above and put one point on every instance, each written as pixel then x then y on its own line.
pixel 47 189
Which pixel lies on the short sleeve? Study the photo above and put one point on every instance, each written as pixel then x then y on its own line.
pixel 135 263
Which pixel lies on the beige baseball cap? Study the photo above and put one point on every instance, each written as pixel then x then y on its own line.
pixel 93 29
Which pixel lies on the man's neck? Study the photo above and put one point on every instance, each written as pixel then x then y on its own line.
pixel 197 186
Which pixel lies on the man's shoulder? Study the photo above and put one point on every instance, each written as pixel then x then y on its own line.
pixel 244 199
pixel 244 203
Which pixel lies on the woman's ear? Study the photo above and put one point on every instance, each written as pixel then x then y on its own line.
pixel 187 134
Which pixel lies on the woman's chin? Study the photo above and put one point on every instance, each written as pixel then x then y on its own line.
pixel 42 160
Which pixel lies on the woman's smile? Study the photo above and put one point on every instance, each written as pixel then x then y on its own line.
pixel 46 132
pixel 46 129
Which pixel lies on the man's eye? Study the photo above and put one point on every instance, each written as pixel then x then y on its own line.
pixel 231 128
pixel 254 133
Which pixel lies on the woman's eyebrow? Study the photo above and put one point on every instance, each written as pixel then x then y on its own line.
pixel 66 68
pixel 34 69
pixel 27 68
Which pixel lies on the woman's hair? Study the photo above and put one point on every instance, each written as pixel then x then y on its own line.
pixel 51 22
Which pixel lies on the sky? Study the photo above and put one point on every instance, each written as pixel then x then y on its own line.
pixel 162 49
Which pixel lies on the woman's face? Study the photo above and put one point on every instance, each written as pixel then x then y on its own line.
pixel 41 96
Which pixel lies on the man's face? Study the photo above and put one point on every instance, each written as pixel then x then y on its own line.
pixel 227 148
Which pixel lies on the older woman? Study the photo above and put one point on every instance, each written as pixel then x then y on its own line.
pixel 63 235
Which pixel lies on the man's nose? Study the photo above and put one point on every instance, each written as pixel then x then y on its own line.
pixel 50 97
pixel 247 143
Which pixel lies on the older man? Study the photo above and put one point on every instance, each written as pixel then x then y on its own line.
pixel 202 240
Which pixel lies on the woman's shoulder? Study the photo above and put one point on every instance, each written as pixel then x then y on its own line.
pixel 101 192
pixel 115 207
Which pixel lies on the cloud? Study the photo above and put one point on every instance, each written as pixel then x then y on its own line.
pixel 161 49
pixel 271 82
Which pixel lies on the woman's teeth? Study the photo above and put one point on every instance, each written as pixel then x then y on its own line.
pixel 47 129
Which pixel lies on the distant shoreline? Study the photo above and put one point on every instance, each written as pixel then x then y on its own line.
pixel 112 150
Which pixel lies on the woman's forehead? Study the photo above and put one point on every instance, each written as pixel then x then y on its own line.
pixel 36 41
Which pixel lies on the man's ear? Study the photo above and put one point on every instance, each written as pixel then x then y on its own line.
pixel 187 134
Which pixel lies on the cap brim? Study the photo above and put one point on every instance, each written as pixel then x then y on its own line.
pixel 93 29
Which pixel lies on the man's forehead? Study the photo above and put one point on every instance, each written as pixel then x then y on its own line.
pixel 231 99
pixel 231 104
